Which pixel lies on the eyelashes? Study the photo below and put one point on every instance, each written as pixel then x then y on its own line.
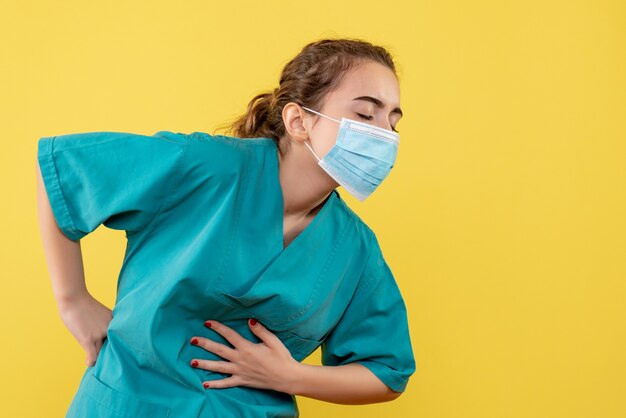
pixel 369 117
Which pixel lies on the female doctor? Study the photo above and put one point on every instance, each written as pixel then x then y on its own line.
pixel 242 258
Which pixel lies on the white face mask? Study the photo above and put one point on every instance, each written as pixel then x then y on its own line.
pixel 361 157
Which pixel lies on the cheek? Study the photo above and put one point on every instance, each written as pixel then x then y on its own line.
pixel 328 138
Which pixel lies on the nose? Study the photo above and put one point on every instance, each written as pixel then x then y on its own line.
pixel 384 125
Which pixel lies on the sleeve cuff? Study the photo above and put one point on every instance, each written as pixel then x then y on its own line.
pixel 389 377
pixel 53 189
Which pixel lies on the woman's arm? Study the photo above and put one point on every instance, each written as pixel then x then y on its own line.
pixel 270 365
pixel 86 318
pixel 351 384
pixel 63 256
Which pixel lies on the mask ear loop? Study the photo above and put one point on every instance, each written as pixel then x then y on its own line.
pixel 321 114
pixel 306 143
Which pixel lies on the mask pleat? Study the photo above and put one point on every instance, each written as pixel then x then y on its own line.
pixel 361 157
pixel 362 167
pixel 368 147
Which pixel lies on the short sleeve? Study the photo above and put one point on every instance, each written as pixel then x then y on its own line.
pixel 373 330
pixel 118 179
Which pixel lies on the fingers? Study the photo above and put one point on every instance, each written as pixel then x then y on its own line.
pixel 238 341
pixel 93 350
pixel 223 367
pixel 230 334
pixel 92 354
pixel 214 347
pixel 271 340
pixel 222 383
pixel 98 345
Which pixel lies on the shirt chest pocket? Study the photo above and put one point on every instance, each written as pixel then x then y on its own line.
pixel 277 297
pixel 299 347
pixel 96 399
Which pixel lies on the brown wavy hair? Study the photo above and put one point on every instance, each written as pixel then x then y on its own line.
pixel 305 80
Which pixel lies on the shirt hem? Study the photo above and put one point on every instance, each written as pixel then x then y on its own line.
pixel 52 184
pixel 395 383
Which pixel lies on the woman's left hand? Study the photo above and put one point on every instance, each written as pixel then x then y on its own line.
pixel 264 365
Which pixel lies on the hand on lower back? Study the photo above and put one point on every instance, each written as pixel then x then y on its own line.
pixel 88 320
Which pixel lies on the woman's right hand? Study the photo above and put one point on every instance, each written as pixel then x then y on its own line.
pixel 88 320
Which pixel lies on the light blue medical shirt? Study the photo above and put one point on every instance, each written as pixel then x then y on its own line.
pixel 203 216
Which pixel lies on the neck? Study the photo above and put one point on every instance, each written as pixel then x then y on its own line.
pixel 305 185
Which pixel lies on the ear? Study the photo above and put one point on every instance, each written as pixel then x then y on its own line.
pixel 293 118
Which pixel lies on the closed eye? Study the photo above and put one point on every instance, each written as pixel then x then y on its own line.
pixel 369 117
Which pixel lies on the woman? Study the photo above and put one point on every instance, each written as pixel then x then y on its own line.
pixel 242 258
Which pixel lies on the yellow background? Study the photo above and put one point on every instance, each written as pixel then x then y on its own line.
pixel 504 219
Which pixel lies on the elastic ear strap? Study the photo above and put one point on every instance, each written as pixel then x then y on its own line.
pixel 321 114
pixel 306 143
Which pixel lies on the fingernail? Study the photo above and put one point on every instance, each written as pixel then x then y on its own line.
pixel 207 324
pixel 253 321
pixel 206 385
pixel 194 363
pixel 194 341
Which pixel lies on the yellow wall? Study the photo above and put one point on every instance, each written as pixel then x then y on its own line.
pixel 503 220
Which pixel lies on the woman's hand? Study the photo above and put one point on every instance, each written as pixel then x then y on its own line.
pixel 88 320
pixel 264 365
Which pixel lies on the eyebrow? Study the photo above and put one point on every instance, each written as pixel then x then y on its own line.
pixel 378 103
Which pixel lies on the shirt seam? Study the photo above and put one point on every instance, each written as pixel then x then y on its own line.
pixel 368 277
pixel 55 193
pixel 385 369
pixel 170 195
pixel 314 292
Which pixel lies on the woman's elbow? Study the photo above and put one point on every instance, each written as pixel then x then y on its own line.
pixel 392 394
